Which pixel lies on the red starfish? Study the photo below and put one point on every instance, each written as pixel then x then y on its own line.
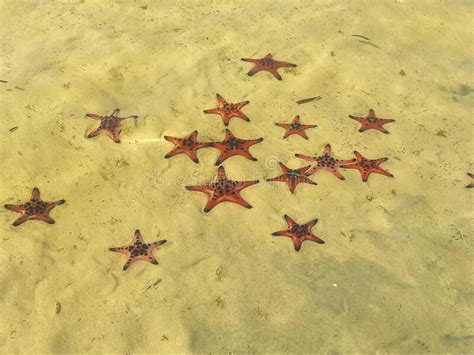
pixel 111 124
pixel 223 190
pixel 471 185
pixel 231 146
pixel 138 250
pixel 366 166
pixel 293 177
pixel 372 122
pixel 299 232
pixel 267 63
pixel 35 209
pixel 228 110
pixel 187 145
pixel 295 127
pixel 325 162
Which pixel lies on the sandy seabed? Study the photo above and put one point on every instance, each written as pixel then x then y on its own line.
pixel 395 274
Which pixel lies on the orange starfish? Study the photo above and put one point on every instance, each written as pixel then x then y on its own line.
pixel 295 127
pixel 267 63
pixel 299 232
pixel 372 122
pixel 325 162
pixel 138 250
pixel 111 124
pixel 293 177
pixel 187 145
pixel 231 146
pixel 366 166
pixel 223 190
pixel 228 110
pixel 35 209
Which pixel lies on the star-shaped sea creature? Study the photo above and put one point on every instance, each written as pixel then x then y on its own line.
pixel 138 250
pixel 295 127
pixel 299 232
pixel 232 145
pixel 223 190
pixel 112 125
pixel 35 209
pixel 228 110
pixel 366 166
pixel 187 145
pixel 293 177
pixel 267 63
pixel 471 185
pixel 372 122
pixel 325 162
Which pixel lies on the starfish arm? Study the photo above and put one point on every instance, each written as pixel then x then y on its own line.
pixel 358 156
pixel 313 170
pixel 239 200
pixel 94 133
pixel 382 172
pixel 173 140
pixel 129 262
pixel 380 161
pixel 114 135
pixel 254 70
pixel 285 64
pixel 337 174
pixel 303 170
pixel 242 104
pixel 283 167
pixel 306 126
pixel 282 125
pixel 44 218
pixel 35 194
pixel 250 142
pixel 173 152
pixel 301 134
pixel 220 100
pixel 157 243
pixel 297 243
pixel 116 112
pixel 94 116
pixel 241 115
pixel 283 233
pixel 217 111
pixel 304 179
pixel 126 118
pixel 357 118
pixel 327 149
pixel 122 250
pixel 311 223
pixel 20 220
pixel 305 157
pixel 51 205
pixel 314 238
pixel 200 188
pixel 221 173
pixel 290 221
pixel 211 204
pixel 16 208
pixel 250 60
pixel 281 178
pixel 275 73
pixel 244 184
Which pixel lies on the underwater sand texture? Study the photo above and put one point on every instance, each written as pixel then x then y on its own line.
pixel 395 273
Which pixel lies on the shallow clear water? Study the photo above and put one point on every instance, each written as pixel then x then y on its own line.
pixel 395 273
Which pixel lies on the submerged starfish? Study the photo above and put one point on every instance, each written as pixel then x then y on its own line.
pixel 325 162
pixel 299 232
pixel 269 64
pixel 228 110
pixel 471 185
pixel 111 124
pixel 231 146
pixel 293 177
pixel 372 122
pixel 35 209
pixel 366 166
pixel 138 250
pixel 223 190
pixel 187 145
pixel 295 127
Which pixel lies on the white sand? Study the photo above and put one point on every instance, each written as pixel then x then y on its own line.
pixel 395 272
